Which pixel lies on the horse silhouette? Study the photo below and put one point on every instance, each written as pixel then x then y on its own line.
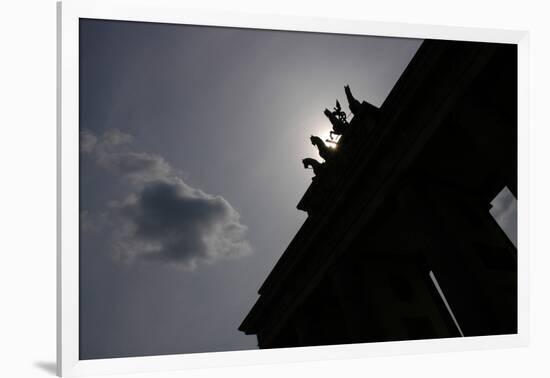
pixel 325 152
pixel 310 162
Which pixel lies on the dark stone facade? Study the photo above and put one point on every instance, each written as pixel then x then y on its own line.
pixel 407 195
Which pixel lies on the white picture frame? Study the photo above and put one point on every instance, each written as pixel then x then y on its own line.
pixel 172 11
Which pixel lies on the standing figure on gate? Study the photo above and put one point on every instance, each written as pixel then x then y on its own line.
pixel 354 105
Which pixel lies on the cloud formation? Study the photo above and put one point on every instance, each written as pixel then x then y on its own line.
pixel 87 141
pixel 164 219
pixel 112 152
pixel 169 221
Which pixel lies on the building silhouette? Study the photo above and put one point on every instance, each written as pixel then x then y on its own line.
pixel 399 243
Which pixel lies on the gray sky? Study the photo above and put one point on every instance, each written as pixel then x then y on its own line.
pixel 191 141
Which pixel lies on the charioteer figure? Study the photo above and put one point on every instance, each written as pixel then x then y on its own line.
pixel 338 119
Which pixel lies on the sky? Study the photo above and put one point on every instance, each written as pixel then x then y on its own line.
pixel 191 146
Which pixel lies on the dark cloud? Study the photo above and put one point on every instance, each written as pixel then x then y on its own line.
pixel 164 219
pixel 170 221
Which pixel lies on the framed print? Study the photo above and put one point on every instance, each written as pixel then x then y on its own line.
pixel 238 189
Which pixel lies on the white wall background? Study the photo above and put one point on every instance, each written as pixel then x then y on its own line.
pixel 27 187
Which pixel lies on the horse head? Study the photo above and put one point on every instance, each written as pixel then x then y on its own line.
pixel 314 164
pixel 316 141
pixel 310 162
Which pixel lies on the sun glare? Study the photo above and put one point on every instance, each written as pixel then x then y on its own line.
pixel 324 134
